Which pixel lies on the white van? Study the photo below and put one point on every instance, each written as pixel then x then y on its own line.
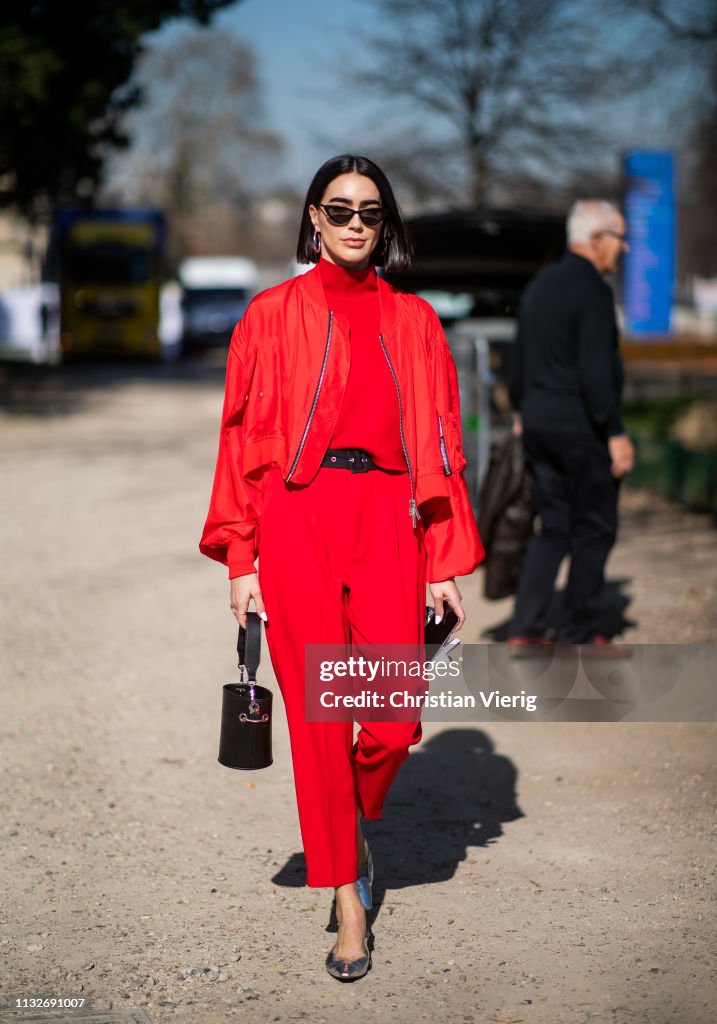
pixel 30 324
pixel 215 293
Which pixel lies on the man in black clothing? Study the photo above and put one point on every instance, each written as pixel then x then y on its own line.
pixel 566 382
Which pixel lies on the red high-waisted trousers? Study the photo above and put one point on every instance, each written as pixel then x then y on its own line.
pixel 339 561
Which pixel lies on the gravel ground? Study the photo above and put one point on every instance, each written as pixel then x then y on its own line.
pixel 542 873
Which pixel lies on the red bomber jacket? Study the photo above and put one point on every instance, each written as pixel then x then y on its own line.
pixel 287 368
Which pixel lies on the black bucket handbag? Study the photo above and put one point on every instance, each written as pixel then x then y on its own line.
pixel 245 740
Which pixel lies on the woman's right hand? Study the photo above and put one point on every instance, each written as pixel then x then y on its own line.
pixel 243 589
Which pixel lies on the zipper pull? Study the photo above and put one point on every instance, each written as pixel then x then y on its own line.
pixel 413 511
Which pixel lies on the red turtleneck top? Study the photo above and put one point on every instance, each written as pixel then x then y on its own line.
pixel 368 417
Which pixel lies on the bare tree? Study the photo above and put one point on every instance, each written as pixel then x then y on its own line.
pixel 507 79
pixel 200 145
pixel 65 71
pixel 685 20
pixel 699 254
pixel 692 25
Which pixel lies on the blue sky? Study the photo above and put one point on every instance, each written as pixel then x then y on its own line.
pixel 300 44
pixel 297 44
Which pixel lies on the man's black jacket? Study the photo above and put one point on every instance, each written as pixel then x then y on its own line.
pixel 566 371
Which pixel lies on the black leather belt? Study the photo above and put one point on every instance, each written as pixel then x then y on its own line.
pixel 355 459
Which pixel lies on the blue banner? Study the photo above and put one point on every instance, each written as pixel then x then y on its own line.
pixel 650 263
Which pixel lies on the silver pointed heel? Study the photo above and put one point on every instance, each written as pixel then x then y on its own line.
pixel 350 970
pixel 364 883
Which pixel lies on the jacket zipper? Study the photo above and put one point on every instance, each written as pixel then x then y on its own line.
pixel 316 398
pixel 412 506
pixel 444 452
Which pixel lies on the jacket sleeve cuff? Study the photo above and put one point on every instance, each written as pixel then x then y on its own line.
pixel 240 558
pixel 614 425
pixel 452 542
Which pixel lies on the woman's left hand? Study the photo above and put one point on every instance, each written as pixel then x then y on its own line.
pixel 447 592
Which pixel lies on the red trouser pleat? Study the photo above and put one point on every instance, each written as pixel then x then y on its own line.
pixel 339 561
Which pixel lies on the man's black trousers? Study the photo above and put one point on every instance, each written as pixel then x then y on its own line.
pixel 575 496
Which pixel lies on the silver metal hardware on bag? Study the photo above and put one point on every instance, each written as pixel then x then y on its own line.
pixel 254 706
pixel 254 721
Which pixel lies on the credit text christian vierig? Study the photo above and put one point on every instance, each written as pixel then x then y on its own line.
pixel 444 699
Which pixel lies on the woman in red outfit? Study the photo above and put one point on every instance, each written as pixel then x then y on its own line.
pixel 340 467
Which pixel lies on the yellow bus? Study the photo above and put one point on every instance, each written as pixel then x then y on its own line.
pixel 111 271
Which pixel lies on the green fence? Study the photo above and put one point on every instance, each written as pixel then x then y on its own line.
pixel 668 468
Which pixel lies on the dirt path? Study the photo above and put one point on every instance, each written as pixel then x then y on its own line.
pixel 547 874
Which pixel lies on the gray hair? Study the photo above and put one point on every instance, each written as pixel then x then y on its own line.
pixel 588 216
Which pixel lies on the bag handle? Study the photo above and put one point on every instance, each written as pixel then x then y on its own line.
pixel 249 646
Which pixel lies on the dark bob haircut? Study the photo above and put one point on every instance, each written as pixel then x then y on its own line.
pixel 393 250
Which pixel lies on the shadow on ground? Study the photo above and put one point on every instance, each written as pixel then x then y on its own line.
pixel 613 618
pixel 452 793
